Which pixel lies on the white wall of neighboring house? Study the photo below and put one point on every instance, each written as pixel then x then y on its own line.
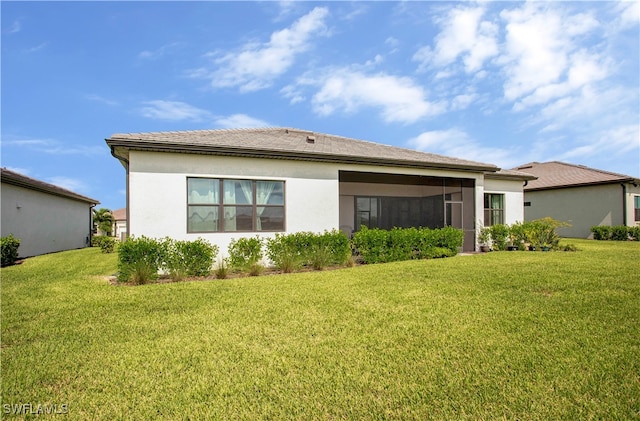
pixel 158 193
pixel 513 198
pixel 43 222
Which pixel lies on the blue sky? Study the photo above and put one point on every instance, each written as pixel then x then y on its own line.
pixel 499 82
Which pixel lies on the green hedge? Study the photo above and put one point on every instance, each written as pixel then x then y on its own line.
pixel 381 246
pixel 616 233
pixel 9 245
pixel 140 259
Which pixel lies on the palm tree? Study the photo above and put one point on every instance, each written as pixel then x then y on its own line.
pixel 103 219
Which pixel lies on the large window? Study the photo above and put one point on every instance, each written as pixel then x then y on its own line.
pixel 637 208
pixel 225 205
pixel 493 209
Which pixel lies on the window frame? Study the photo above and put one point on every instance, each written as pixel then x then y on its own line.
pixel 636 208
pixel 491 211
pixel 221 205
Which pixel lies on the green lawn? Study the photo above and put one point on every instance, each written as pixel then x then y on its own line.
pixel 505 335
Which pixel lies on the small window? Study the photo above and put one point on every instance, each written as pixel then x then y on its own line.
pixel 493 209
pixel 216 205
pixel 636 200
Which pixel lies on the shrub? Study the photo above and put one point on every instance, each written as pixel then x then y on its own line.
pixel 140 259
pixel 107 244
pixel 189 258
pixel 222 271
pixel 9 246
pixel 380 246
pixel 620 233
pixel 448 237
pixel 96 240
pixel 287 252
pixel 518 234
pixel 542 232
pixel 634 233
pixel 245 254
pixel 499 236
pixel 329 248
pixel 601 232
pixel 438 252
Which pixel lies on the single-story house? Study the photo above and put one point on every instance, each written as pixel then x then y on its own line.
pixel 44 217
pixel 582 196
pixel 120 223
pixel 224 184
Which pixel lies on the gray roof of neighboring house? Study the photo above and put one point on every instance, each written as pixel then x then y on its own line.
pixel 555 174
pixel 16 179
pixel 286 143
pixel 511 174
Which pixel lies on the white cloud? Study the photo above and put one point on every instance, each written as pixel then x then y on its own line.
pixel 542 49
pixel 458 143
pixel 15 27
pixel 240 120
pixel 464 35
pixel 19 170
pixel 101 99
pixel 349 90
pixel 68 183
pixel 256 65
pixel 616 141
pixel 173 111
pixel 629 14
pixel 53 147
pixel 157 53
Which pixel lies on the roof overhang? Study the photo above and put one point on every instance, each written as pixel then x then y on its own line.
pixel 19 180
pixel 120 149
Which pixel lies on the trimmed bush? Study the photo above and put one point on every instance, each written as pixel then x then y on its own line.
pixel 9 245
pixel 499 236
pixel 616 233
pixel 381 246
pixel 620 233
pixel 108 245
pixel 601 232
pixel 189 258
pixel 140 259
pixel 329 248
pixel 288 251
pixel 245 255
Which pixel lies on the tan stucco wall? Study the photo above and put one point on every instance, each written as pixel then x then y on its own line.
pixel 44 223
pixel 582 207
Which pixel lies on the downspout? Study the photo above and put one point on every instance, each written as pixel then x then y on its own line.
pixel 125 164
pixel 91 225
pixel 624 204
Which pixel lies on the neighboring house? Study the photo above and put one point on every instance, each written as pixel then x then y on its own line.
pixel 226 184
pixel 46 218
pixel 581 196
pixel 120 223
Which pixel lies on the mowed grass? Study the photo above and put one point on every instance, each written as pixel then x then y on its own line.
pixel 508 335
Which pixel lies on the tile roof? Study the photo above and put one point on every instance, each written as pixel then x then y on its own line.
pixel 16 179
pixel 119 214
pixel 511 174
pixel 286 143
pixel 557 174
